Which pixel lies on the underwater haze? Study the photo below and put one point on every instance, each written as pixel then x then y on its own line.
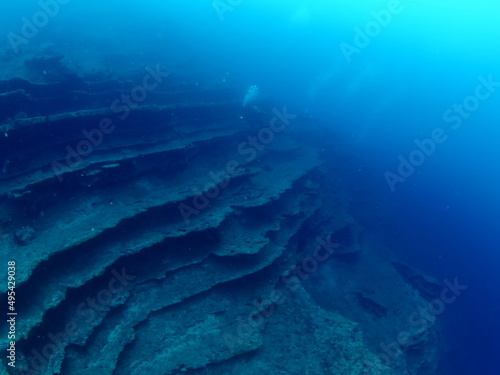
pixel 408 89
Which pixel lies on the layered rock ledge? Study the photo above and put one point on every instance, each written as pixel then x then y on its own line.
pixel 191 235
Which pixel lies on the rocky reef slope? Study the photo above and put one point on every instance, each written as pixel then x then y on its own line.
pixel 159 227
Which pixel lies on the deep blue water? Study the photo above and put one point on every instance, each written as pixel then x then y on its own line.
pixel 425 58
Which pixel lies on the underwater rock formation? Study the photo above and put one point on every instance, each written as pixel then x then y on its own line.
pixel 170 235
